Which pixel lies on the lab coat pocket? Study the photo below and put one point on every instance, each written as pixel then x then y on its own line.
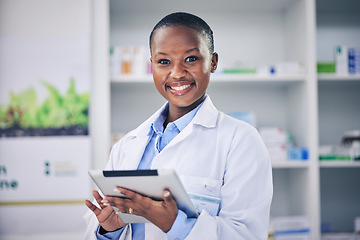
pixel 203 192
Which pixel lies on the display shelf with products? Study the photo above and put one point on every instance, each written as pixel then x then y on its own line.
pixel 338 24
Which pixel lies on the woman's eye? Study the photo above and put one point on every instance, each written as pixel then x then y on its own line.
pixel 164 61
pixel 191 59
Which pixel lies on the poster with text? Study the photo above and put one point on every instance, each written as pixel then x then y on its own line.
pixel 45 147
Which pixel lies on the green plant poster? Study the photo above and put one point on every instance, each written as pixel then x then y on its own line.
pixel 58 114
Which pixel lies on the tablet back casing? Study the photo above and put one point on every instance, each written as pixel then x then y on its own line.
pixel 149 183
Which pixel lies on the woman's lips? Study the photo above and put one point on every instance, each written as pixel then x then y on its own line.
pixel 179 88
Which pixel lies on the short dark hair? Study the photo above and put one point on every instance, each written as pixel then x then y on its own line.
pixel 187 20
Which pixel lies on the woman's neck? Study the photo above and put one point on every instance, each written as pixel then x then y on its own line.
pixel 177 112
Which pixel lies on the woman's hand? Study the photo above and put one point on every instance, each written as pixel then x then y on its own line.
pixel 161 213
pixel 106 215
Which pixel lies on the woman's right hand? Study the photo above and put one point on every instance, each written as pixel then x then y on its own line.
pixel 106 215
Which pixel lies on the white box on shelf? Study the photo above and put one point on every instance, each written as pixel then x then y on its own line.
pixel 273 135
pixel 341 60
pixel 140 60
pixel 285 68
pixel 290 226
pixel 277 152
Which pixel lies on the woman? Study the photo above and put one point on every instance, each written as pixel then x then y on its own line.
pixel 220 159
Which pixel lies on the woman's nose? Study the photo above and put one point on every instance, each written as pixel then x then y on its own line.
pixel 178 71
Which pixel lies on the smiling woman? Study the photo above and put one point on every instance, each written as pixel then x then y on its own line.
pixel 182 59
pixel 222 176
pixel 181 65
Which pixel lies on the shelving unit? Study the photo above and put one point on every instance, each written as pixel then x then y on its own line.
pixel 262 32
pixel 338 23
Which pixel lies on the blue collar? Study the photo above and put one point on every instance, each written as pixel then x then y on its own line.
pixel 181 123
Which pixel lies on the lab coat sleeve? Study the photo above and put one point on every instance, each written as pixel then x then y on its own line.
pixel 246 192
pixel 90 218
pixel 93 225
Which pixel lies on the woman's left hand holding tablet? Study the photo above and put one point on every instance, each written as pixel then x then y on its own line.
pixel 161 213
pixel 106 215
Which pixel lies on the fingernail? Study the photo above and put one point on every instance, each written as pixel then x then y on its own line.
pixel 167 194
pixel 117 190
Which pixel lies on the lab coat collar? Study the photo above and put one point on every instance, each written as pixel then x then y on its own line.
pixel 207 114
pixel 206 117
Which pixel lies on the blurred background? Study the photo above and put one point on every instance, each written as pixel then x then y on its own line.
pixel 75 77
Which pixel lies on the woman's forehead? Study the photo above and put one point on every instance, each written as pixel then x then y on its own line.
pixel 176 36
pixel 176 30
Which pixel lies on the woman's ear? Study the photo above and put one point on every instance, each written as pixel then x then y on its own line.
pixel 214 61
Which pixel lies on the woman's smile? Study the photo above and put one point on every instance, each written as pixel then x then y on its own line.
pixel 179 88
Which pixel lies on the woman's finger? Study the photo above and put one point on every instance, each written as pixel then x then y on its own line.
pixel 98 199
pixel 127 193
pixel 92 207
pixel 169 201
pixel 129 203
pixel 120 203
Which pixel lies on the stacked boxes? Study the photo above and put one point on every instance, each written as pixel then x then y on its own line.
pixel 281 146
pixel 347 60
pixel 275 139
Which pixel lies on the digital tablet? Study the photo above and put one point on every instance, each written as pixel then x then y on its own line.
pixel 150 183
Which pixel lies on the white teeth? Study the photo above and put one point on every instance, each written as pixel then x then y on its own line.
pixel 180 88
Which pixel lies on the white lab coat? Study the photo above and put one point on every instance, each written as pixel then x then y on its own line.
pixel 215 155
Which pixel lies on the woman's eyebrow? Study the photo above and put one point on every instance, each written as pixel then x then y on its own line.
pixel 190 50
pixel 160 53
pixel 193 49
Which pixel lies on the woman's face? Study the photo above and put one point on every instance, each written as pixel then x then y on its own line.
pixel 182 64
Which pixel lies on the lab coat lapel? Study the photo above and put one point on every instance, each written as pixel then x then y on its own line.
pixel 135 149
pixel 181 136
pixel 138 141
pixel 206 117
